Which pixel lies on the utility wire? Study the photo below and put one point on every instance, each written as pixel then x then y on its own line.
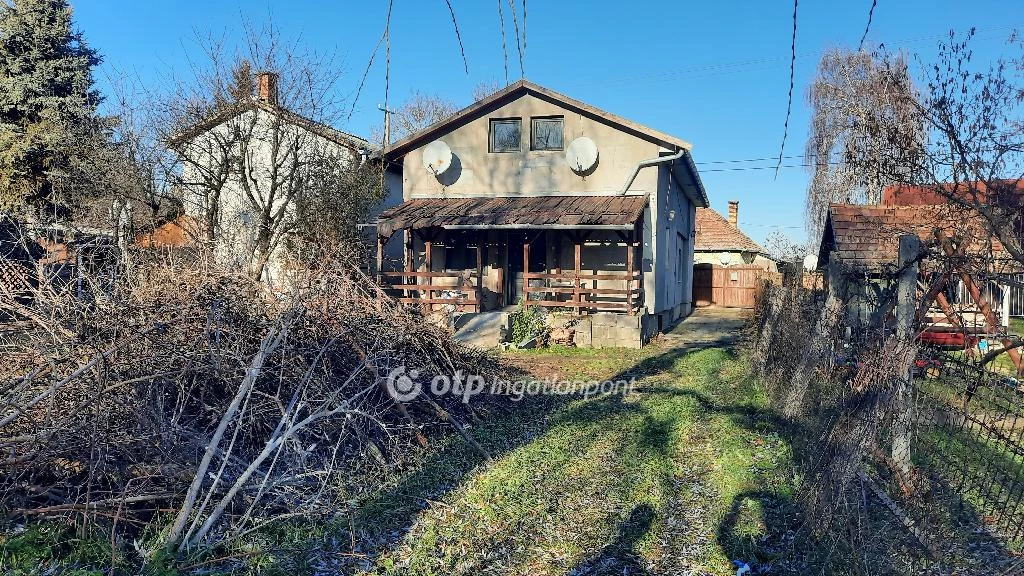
pixel 789 104
pixel 776 167
pixel 761 64
pixel 458 35
pixel 772 158
pixel 871 13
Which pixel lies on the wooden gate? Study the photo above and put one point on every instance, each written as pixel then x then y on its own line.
pixel 733 287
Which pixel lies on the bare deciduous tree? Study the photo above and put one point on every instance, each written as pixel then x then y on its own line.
pixel 485 89
pixel 418 112
pixel 249 161
pixel 862 107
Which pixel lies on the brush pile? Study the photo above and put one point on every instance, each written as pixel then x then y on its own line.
pixel 201 399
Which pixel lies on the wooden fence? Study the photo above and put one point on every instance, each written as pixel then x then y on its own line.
pixel 731 287
pixel 582 297
pixel 459 290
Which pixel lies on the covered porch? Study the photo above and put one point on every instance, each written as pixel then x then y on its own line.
pixel 578 254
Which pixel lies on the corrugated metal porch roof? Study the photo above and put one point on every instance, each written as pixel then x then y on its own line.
pixel 607 212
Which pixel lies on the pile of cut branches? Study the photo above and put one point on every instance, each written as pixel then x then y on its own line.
pixel 197 399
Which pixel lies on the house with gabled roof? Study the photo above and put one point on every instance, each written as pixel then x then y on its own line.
pixel 859 252
pixel 531 196
pixel 720 242
pixel 242 172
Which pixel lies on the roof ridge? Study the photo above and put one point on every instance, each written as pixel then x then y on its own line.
pixel 745 242
pixel 470 110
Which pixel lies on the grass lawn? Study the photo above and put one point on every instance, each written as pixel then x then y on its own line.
pixel 682 475
pixel 1017 326
pixel 686 473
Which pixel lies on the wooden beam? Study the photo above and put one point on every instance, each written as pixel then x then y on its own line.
pixel 558 251
pixel 479 273
pixel 577 257
pixel 526 269
pixel 380 256
pixel 425 274
pixel 428 252
pixel 572 290
pixel 629 270
pixel 410 257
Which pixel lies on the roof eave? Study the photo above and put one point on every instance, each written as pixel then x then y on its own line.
pixel 396 151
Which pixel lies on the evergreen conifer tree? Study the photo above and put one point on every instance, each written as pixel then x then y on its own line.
pixel 47 103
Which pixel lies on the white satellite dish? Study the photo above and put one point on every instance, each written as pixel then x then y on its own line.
pixel 810 262
pixel 437 157
pixel 581 154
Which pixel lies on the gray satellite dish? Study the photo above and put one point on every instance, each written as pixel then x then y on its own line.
pixel 581 154
pixel 437 157
pixel 810 262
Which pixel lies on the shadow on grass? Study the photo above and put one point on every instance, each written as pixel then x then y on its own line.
pixel 381 522
pixel 761 526
pixel 620 557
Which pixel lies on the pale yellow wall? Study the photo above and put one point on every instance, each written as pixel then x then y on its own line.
pixel 478 172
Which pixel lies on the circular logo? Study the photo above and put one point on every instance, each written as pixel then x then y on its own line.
pixel 401 386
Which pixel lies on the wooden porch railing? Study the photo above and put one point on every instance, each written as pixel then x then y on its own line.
pixel 571 283
pixel 467 287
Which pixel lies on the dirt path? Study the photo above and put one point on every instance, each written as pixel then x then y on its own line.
pixel 678 477
pixel 708 326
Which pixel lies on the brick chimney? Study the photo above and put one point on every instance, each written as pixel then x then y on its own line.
pixel 734 213
pixel 266 87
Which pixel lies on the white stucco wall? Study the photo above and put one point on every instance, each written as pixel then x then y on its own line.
pixel 253 135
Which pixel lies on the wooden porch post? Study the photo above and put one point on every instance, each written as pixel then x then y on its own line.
pixel 380 257
pixel 629 273
pixel 410 258
pixel 480 271
pixel 558 251
pixel 526 270
pixel 428 244
pixel 577 246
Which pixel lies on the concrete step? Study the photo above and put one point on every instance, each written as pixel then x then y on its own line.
pixel 482 330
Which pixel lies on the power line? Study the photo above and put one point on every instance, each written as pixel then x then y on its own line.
pixel 762 64
pixel 745 160
pixel 789 104
pixel 871 13
pixel 776 168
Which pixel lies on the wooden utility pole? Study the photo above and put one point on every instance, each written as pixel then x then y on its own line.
pixel 387 123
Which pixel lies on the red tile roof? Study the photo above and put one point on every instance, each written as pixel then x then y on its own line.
pixel 715 234
pixel 867 237
pixel 178 233
pixel 528 212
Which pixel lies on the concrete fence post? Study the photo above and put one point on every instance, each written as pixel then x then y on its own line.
pixel 906 315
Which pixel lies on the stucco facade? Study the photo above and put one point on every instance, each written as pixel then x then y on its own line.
pixel 632 161
pixel 248 163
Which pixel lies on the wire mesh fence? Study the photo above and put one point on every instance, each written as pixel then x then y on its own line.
pixel 926 443
pixel 970 440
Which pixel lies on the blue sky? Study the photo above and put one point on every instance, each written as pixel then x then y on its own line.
pixel 713 73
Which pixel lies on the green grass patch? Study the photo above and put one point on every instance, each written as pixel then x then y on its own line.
pixel 687 466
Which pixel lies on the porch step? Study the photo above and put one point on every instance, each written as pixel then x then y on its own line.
pixel 482 330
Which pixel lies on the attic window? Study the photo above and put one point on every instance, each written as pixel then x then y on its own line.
pixel 546 133
pixel 506 135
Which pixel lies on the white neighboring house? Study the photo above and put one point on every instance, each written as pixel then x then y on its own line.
pixel 244 170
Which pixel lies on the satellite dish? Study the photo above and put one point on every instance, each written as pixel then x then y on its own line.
pixel 437 157
pixel 810 262
pixel 725 258
pixel 581 154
